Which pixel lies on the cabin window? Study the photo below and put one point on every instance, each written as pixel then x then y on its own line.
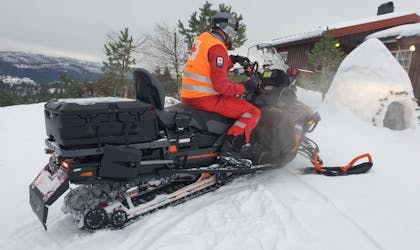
pixel 403 57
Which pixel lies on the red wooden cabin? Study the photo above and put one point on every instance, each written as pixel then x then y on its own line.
pixel 351 34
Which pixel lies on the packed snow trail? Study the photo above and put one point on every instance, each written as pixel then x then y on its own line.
pixel 279 209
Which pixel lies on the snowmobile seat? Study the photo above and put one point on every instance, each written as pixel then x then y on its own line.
pixel 202 120
pixel 149 89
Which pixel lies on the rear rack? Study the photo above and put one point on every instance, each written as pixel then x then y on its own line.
pixel 51 147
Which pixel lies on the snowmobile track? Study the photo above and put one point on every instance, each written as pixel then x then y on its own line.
pixel 173 203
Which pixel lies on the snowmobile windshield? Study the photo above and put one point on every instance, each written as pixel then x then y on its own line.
pixel 267 57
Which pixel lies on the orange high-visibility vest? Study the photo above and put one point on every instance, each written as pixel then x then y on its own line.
pixel 196 80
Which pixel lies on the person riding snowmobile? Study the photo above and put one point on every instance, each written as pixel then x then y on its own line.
pixel 205 85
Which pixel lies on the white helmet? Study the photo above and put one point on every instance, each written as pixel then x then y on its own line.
pixel 226 22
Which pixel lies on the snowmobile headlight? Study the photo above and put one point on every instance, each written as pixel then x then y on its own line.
pixel 311 124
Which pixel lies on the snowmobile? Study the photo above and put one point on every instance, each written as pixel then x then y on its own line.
pixel 127 158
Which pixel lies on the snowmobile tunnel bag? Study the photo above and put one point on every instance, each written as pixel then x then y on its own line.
pixel 82 122
pixel 120 162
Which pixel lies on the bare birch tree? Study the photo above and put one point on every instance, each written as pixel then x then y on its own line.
pixel 168 49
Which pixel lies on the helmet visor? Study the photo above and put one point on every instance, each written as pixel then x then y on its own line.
pixel 225 22
pixel 228 25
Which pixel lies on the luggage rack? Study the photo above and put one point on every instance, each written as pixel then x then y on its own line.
pixel 51 147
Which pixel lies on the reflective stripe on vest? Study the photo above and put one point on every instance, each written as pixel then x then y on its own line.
pixel 199 88
pixel 196 81
pixel 198 77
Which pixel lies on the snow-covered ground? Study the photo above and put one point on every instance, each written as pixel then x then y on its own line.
pixel 278 209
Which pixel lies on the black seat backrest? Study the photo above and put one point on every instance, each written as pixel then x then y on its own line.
pixel 149 89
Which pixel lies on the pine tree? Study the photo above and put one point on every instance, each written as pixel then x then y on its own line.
pixel 325 57
pixel 157 72
pixel 6 97
pixel 119 52
pixel 202 22
pixel 169 84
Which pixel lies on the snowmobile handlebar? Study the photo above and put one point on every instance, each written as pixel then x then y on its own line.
pixel 251 70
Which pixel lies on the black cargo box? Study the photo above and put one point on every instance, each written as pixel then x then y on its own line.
pixel 96 121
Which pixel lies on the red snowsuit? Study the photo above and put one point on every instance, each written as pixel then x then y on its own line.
pixel 221 95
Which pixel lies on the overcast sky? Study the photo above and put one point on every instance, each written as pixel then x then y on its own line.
pixel 78 28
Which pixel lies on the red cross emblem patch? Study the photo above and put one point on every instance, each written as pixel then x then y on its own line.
pixel 194 50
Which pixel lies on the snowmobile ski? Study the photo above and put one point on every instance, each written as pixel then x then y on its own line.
pixel 310 150
pixel 348 169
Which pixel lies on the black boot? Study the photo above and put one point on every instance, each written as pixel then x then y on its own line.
pixel 235 151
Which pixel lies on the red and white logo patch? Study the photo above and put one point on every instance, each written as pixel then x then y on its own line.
pixel 194 50
pixel 219 62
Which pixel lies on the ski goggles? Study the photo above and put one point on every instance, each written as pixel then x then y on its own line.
pixel 229 26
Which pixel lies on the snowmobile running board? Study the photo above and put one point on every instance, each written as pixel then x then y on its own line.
pixel 317 169
pixel 217 168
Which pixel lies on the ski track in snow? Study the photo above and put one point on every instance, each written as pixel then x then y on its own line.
pixel 368 236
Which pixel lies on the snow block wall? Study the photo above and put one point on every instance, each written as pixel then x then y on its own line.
pixel 373 84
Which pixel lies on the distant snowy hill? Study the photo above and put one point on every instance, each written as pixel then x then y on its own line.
pixel 44 69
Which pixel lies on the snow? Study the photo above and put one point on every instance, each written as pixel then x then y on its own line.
pixel 12 80
pixel 278 209
pixel 372 19
pixel 368 80
pixel 320 30
pixel 407 30
pixel 170 101
pixel 298 37
pixel 93 100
